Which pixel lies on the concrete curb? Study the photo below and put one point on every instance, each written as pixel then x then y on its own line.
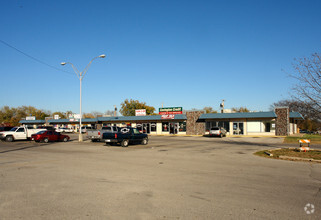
pixel 299 159
pixel 269 154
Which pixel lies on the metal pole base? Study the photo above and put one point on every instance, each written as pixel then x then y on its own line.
pixel 80 137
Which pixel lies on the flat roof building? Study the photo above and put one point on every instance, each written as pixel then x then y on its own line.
pixel 280 122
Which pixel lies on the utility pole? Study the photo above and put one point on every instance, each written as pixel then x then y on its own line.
pixel 222 106
pixel 115 111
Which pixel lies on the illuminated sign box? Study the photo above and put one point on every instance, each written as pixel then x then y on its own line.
pixel 140 112
pixel 171 111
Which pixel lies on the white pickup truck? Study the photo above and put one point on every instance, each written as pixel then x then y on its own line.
pixel 18 133
pixel 97 135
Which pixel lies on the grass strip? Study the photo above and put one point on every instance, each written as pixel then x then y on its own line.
pixel 312 154
pixel 316 139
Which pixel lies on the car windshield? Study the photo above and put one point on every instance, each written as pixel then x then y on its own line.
pixel 13 129
pixel 41 132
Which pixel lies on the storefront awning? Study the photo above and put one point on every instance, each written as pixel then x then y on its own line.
pixel 238 115
pixel 140 118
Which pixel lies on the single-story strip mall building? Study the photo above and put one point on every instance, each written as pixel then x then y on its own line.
pixel 280 122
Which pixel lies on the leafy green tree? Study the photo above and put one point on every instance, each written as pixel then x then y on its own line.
pixel 128 107
pixel 12 116
pixel 61 114
pixel 88 115
pixel 6 114
pixel 241 109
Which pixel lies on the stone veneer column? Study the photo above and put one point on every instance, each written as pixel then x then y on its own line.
pixel 193 127
pixel 282 121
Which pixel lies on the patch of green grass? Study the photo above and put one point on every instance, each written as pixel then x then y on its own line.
pixel 313 137
pixel 312 154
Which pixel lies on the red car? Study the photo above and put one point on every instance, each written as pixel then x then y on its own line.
pixel 47 136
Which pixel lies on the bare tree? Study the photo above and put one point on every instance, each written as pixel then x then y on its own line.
pixel 304 108
pixel 96 113
pixel 109 112
pixel 311 116
pixel 307 71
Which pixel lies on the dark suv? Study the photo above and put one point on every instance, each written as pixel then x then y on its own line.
pixel 5 128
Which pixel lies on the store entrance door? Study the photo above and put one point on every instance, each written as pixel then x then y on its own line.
pixel 238 128
pixel 173 127
pixel 146 128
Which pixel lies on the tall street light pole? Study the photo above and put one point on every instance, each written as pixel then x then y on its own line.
pixel 80 76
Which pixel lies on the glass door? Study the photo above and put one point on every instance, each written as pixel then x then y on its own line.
pixel 238 128
pixel 173 127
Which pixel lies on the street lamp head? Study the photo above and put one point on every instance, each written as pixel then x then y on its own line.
pixel 63 63
pixel 102 56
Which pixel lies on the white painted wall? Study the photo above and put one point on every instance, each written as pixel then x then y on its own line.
pixel 254 126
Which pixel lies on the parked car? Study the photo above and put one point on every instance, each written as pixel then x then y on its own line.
pixel 304 131
pixel 5 128
pixel 47 136
pixel 85 128
pixel 318 132
pixel 49 128
pixel 65 130
pixel 97 135
pixel 18 133
pixel 125 136
pixel 218 132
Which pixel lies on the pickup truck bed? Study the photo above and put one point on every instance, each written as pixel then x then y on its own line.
pixel 97 135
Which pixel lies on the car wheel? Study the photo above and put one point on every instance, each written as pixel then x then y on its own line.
pixel 9 138
pixel 124 143
pixel 46 140
pixel 221 135
pixel 144 141
pixel 65 139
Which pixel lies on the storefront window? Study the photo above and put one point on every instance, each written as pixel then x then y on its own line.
pixel 153 127
pixel 139 127
pixel 126 124
pixel 208 126
pixel 165 126
pixel 223 124
pixel 182 127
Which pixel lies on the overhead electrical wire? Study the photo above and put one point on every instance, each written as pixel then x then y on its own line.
pixel 35 59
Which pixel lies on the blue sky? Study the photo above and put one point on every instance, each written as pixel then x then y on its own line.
pixel 180 53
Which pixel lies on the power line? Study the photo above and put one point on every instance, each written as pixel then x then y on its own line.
pixel 35 59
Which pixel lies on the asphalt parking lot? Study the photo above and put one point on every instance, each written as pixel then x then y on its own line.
pixel 170 178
